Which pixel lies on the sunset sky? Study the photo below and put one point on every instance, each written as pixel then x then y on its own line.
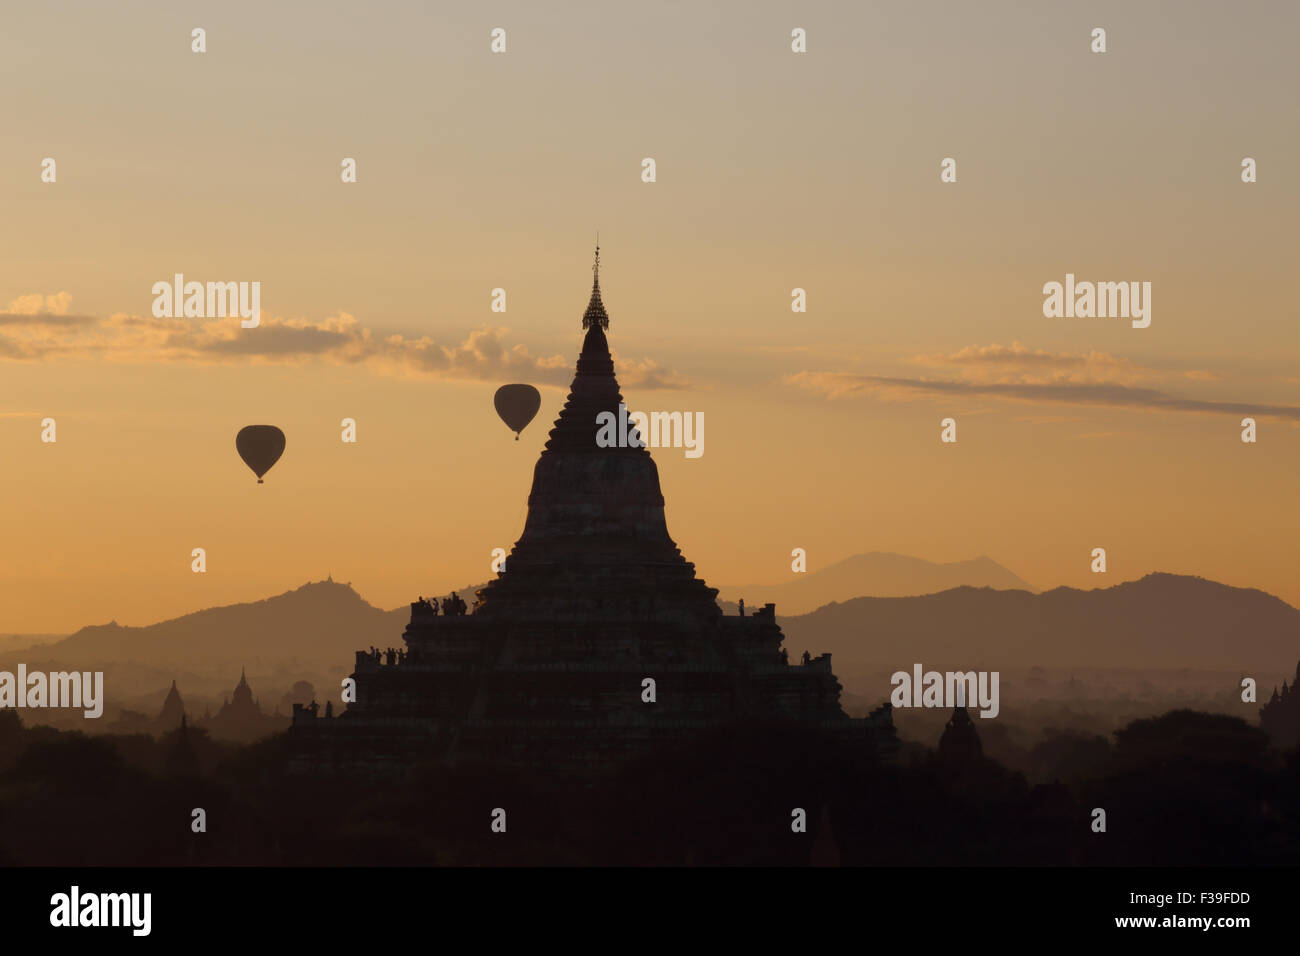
pixel 775 170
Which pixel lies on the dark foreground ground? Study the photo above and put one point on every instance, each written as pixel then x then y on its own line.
pixel 1185 788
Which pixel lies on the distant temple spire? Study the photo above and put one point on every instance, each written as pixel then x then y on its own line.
pixel 173 710
pixel 1280 717
pixel 595 314
pixel 960 742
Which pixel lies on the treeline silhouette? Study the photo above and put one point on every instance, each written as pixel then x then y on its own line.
pixel 1185 788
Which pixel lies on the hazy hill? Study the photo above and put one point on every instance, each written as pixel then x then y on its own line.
pixel 876 574
pixel 12 641
pixel 1162 621
pixel 324 619
pixel 309 633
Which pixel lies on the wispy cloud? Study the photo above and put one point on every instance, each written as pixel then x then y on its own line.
pixel 37 303
pixel 1019 374
pixel 1048 419
pixel 889 388
pixel 648 375
pixel 38 328
pixel 27 315
pixel 1015 363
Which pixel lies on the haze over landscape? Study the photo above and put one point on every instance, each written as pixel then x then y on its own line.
pixel 976 545
pixel 1082 660
pixel 822 426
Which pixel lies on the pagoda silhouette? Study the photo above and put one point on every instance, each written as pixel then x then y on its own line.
pixel 1280 717
pixel 173 710
pixel 241 717
pixel 960 741
pixel 551 669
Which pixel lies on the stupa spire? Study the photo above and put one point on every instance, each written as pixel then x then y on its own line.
pixel 595 512
pixel 595 316
pixel 594 389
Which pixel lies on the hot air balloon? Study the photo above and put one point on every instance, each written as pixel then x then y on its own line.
pixel 517 404
pixel 260 446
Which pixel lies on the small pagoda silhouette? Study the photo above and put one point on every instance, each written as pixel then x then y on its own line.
pixel 1280 717
pixel 241 718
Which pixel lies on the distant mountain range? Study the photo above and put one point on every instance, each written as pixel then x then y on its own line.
pixel 317 620
pixel 876 574
pixel 10 641
pixel 1163 621
pixel 310 632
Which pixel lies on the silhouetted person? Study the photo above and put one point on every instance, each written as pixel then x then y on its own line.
pixel 313 707
pixel 807 658
pixel 433 604
pixel 742 607
pixel 785 658
pixel 329 709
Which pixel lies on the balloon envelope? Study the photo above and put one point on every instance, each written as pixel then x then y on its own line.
pixel 517 405
pixel 260 446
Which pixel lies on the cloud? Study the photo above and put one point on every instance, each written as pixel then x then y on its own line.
pixel 647 374
pixel 49 321
pixel 36 304
pixel 1048 419
pixel 890 388
pixel 1015 373
pixel 29 334
pixel 337 340
pixel 36 311
pixel 1015 363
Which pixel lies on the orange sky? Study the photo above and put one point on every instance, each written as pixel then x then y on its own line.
pixel 775 171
